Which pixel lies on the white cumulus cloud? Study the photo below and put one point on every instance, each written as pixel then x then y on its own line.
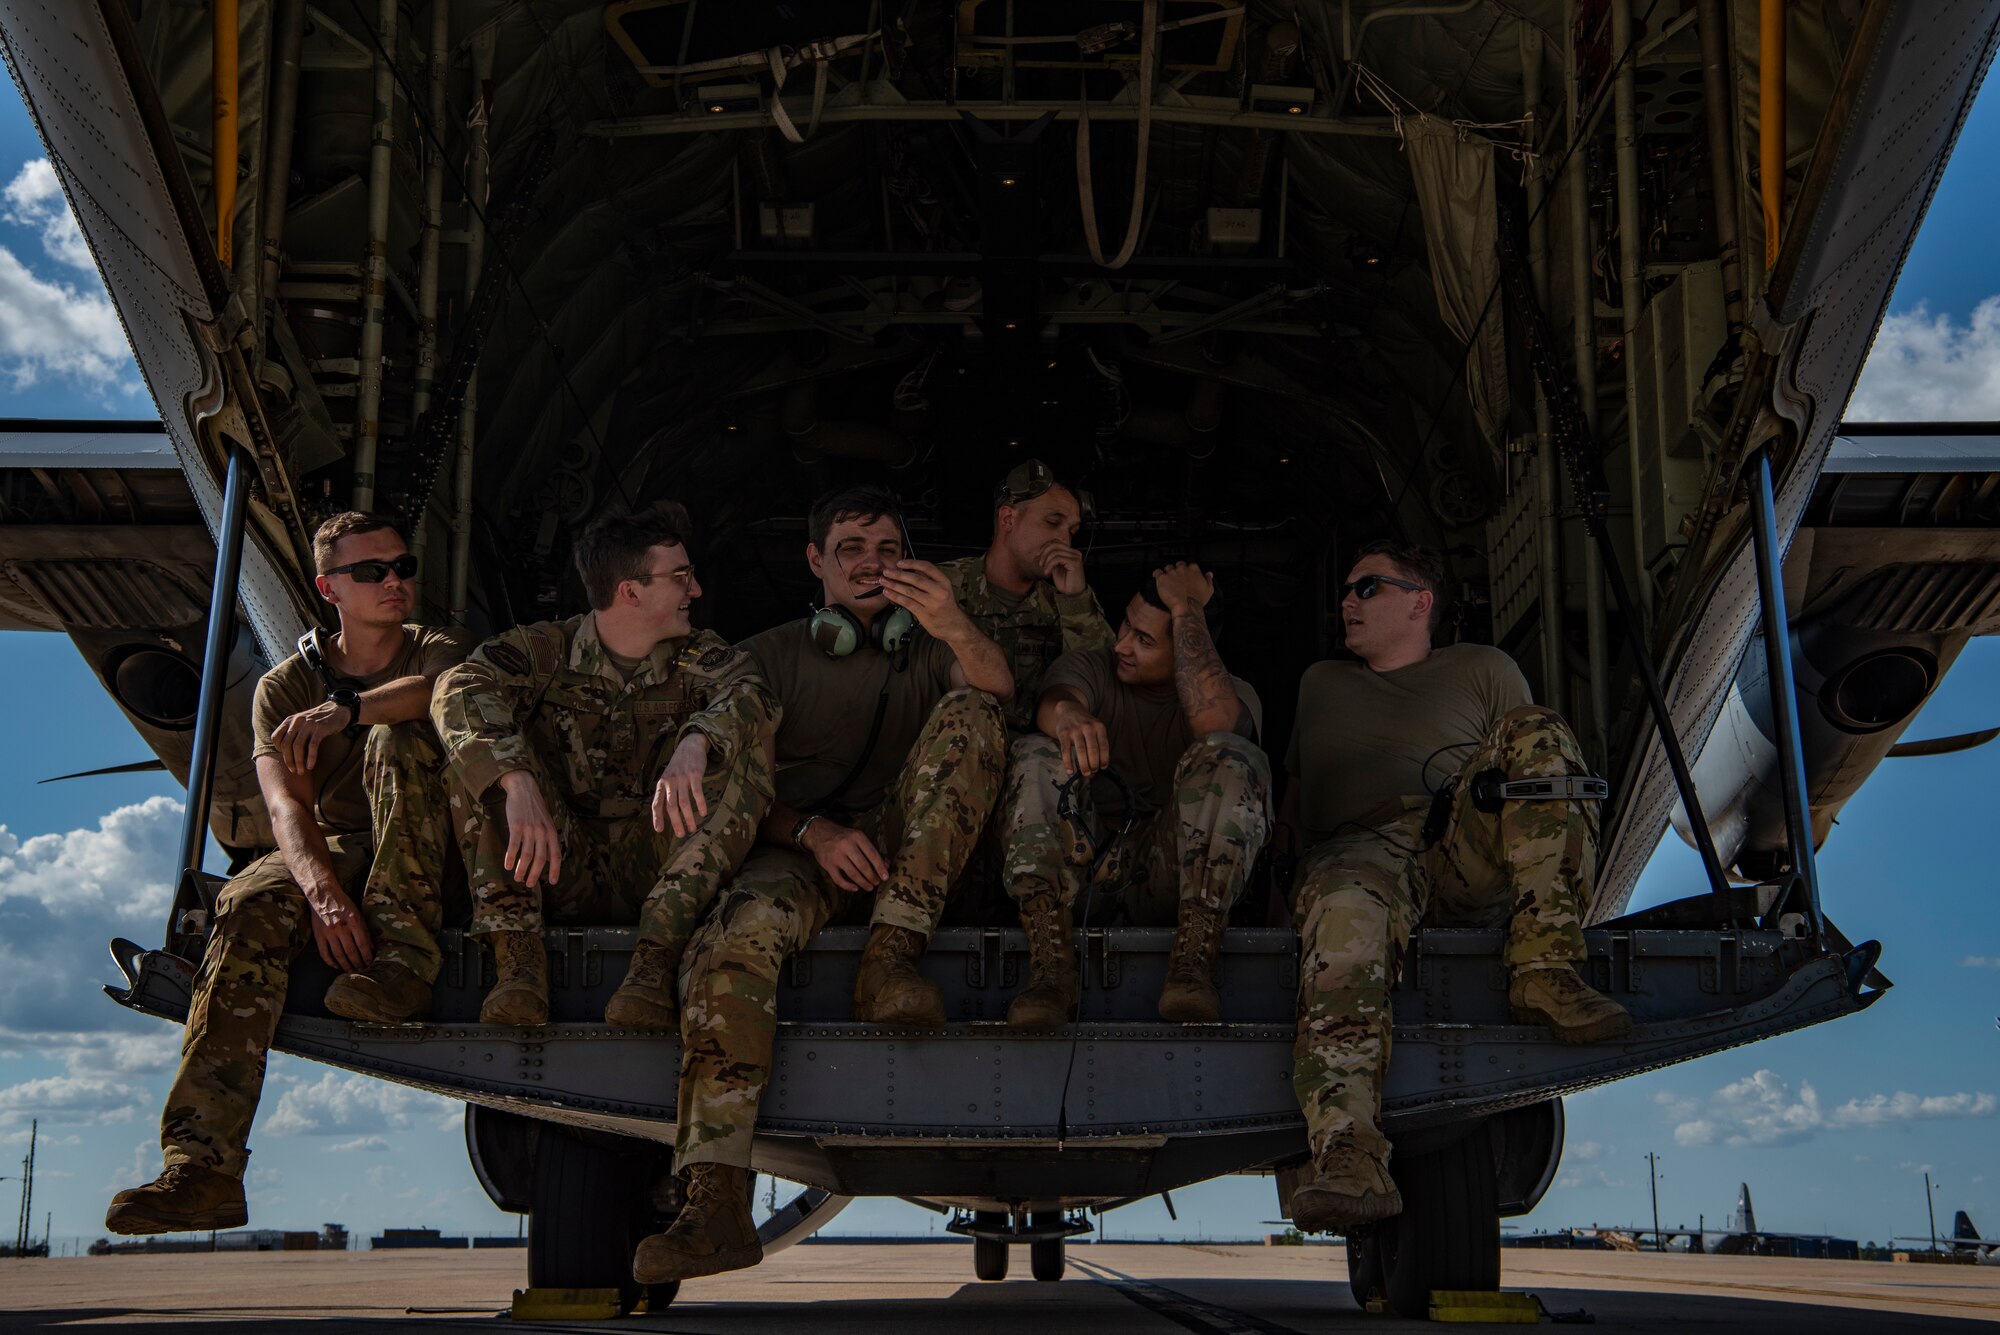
pixel 363 1144
pixel 1879 1109
pixel 1763 1109
pixel 358 1106
pixel 58 330
pixel 1926 368
pixel 62 898
pixel 34 198
pixel 70 1100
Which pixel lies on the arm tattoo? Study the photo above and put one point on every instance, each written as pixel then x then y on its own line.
pixel 1200 679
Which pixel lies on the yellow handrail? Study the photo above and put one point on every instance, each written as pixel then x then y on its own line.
pixel 224 16
pixel 1771 121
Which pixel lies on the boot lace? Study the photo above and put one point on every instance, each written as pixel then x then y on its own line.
pixel 1048 939
pixel 1196 943
pixel 706 1187
pixel 649 966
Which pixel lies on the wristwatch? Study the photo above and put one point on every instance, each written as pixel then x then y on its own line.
pixel 351 698
pixel 800 827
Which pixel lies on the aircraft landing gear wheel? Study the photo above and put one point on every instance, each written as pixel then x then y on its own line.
pixel 587 1211
pixel 1448 1236
pixel 1364 1266
pixel 989 1255
pixel 1045 1256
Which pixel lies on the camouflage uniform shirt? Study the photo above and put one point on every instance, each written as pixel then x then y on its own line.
pixel 550 691
pixel 1032 630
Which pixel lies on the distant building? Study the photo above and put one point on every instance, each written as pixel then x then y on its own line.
pixel 409 1238
pixel 331 1237
pixel 499 1240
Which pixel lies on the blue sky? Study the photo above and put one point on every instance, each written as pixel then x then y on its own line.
pixel 1832 1127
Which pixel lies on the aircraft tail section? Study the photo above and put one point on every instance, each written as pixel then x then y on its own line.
pixel 1961 1228
pixel 1746 1214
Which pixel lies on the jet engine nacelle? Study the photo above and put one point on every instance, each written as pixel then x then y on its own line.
pixel 1857 691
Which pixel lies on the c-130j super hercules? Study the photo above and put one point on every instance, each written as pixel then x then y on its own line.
pixel 1573 289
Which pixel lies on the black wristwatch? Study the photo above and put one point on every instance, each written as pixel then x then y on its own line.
pixel 800 827
pixel 351 698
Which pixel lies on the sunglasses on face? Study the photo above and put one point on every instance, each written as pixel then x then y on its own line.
pixel 1369 585
pixel 374 572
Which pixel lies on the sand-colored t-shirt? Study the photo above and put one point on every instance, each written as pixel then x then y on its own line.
pixel 292 687
pixel 1148 729
pixel 1367 744
pixel 829 709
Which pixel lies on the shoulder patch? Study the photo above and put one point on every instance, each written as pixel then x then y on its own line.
pixel 506 656
pixel 713 659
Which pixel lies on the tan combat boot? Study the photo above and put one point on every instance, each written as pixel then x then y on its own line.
pixel 887 987
pixel 1568 1007
pixel 1190 996
pixel 1353 1187
pixel 713 1232
pixel 520 993
pixel 186 1196
pixel 645 1000
pixel 383 993
pixel 1050 996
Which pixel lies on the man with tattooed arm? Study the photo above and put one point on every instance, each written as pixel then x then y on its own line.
pixel 1160 709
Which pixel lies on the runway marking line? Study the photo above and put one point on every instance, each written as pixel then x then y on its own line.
pixel 1189 1313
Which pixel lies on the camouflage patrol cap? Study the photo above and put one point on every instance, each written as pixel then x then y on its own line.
pixel 1032 478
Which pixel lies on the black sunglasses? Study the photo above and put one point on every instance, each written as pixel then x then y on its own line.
pixel 374 572
pixel 1369 585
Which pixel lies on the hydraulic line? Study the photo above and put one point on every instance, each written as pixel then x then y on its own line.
pixel 1586 473
pixel 224 75
pixel 1771 122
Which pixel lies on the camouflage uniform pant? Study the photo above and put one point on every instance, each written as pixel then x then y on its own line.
pixel 1200 847
pixel 262 924
pixel 403 770
pixel 1362 892
pixel 613 870
pixel 925 828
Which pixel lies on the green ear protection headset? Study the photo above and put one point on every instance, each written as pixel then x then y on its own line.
pixel 1031 478
pixel 838 632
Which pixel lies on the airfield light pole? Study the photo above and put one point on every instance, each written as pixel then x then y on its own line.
pixel 1653 1172
pixel 1930 1207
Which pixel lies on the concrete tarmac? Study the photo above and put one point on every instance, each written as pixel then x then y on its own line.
pixel 868 1289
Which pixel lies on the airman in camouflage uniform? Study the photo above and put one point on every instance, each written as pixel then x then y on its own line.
pixel 312 768
pixel 1375 870
pixel 548 700
pixel 1159 710
pixel 1027 591
pixel 888 762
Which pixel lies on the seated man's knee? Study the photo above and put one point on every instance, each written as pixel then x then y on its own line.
pixel 1036 749
pixel 757 930
pixel 1227 751
pixel 1533 720
pixel 976 714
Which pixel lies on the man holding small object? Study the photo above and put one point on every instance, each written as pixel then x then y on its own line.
pixel 1404 769
pixel 1160 709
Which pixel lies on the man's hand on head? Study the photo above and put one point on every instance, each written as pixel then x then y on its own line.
pixel 1183 586
pixel 298 737
pixel 1062 566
